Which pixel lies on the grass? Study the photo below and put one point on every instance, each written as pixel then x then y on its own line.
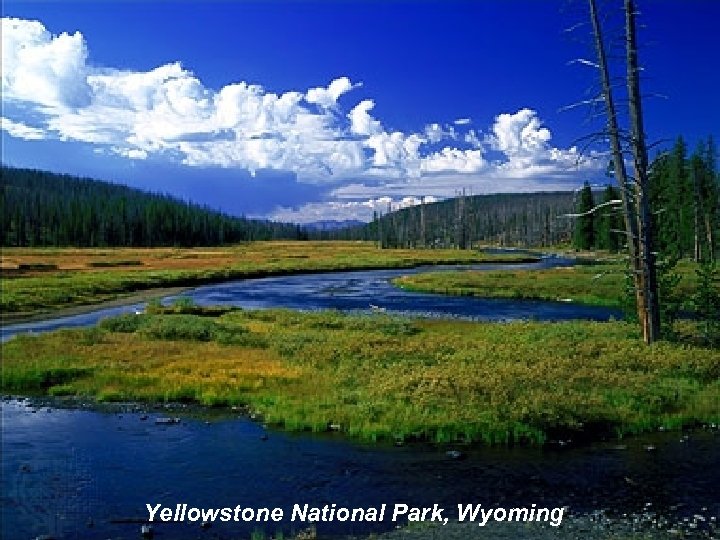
pixel 593 284
pixel 37 280
pixel 380 377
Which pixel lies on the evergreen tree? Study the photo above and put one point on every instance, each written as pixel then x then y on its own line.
pixel 609 229
pixel 45 209
pixel 706 301
pixel 517 219
pixel 584 235
pixel 709 197
pixel 678 203
pixel 684 196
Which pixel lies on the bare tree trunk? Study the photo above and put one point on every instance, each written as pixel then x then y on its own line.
pixel 698 212
pixel 697 255
pixel 651 321
pixel 381 243
pixel 710 238
pixel 460 239
pixel 423 241
pixel 628 206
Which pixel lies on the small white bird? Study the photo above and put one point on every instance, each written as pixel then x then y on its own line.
pixel 377 308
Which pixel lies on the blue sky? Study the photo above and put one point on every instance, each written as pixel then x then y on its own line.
pixel 328 110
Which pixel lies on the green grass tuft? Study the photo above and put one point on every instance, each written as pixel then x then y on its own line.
pixel 381 377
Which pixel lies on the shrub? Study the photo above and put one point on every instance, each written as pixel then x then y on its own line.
pixel 183 304
pixel 240 336
pixel 182 327
pixel 154 306
pixel 126 324
pixel 92 336
pixel 62 390
pixel 707 301
pixel 398 327
pixel 39 378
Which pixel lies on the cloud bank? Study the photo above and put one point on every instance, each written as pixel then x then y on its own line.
pixel 50 90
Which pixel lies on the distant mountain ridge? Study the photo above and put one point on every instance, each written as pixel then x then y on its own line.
pixel 332 224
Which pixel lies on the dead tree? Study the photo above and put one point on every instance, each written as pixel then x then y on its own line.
pixel 460 222
pixel 634 192
pixel 697 251
pixel 423 237
pixel 651 320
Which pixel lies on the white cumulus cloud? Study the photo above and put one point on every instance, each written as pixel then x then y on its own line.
pixel 327 97
pixel 361 122
pixel 50 89
pixel 435 132
pixel 41 68
pixel 452 159
pixel 362 210
pixel 519 134
pixel 20 130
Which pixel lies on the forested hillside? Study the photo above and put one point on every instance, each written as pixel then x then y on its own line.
pixel 39 208
pixel 518 219
pixel 45 209
pixel 684 197
pixel 685 193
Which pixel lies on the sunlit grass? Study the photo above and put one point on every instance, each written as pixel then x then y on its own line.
pixel 42 279
pixel 383 378
pixel 121 366
pixel 597 284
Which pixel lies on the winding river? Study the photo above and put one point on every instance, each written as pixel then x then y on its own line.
pixel 79 473
pixel 355 291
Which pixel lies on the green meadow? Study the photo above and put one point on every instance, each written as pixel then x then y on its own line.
pixel 372 377
pixel 41 280
pixel 600 284
pixel 377 377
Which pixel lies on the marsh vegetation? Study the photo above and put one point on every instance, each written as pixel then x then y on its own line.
pixel 600 284
pixel 378 377
pixel 45 279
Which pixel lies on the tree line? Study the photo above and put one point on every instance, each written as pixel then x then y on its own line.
pixel 39 208
pixel 654 207
pixel 685 194
pixel 684 198
pixel 516 219
pixel 602 229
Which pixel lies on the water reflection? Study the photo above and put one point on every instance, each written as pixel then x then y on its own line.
pixel 354 291
pixel 66 467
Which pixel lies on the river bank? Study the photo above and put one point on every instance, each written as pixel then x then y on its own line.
pixel 428 386
pixel 124 300
pixel 598 525
pixel 589 283
pixel 104 466
pixel 380 377
pixel 41 280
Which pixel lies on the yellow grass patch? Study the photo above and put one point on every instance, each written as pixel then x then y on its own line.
pixel 383 377
pixel 42 279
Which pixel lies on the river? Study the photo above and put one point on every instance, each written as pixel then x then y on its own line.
pixel 80 473
pixel 64 467
pixel 354 291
